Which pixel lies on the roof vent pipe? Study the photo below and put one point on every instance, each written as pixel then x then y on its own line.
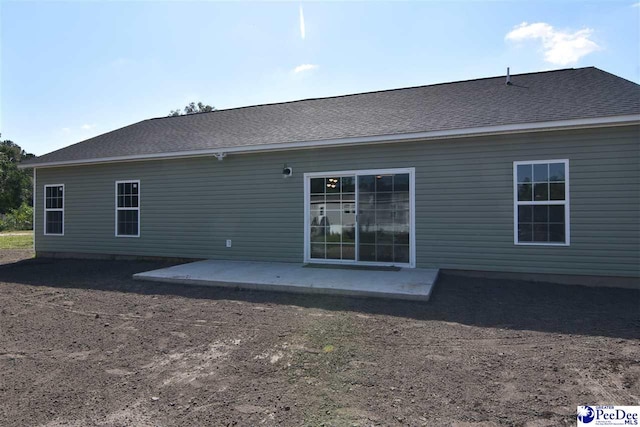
pixel 508 82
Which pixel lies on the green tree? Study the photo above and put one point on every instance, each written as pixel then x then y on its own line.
pixel 20 218
pixel 192 108
pixel 16 185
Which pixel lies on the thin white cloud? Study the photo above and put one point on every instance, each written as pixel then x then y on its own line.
pixel 120 62
pixel 559 47
pixel 304 67
pixel 84 128
pixel 636 4
pixel 302 28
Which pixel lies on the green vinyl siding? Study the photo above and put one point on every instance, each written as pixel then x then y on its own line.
pixel 463 202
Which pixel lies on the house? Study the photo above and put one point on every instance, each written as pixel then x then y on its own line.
pixel 532 173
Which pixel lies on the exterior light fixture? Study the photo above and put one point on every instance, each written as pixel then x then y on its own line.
pixel 287 171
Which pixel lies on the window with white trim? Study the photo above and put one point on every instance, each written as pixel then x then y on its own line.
pixel 541 208
pixel 128 208
pixel 54 209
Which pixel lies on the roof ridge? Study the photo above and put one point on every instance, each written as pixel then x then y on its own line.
pixel 613 75
pixel 367 93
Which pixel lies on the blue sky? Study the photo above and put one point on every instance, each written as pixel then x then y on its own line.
pixel 73 70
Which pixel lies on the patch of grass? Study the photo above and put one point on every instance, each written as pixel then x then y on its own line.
pixel 22 241
pixel 331 345
pixel 333 339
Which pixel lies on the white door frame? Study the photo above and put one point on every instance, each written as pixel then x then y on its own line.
pixel 356 173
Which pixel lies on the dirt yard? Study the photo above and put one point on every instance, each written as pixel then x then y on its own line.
pixel 82 344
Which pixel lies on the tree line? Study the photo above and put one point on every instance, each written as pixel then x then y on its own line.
pixel 16 188
pixel 192 108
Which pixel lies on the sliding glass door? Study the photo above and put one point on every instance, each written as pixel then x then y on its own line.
pixel 359 217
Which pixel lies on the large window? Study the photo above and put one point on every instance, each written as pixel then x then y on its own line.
pixel 54 209
pixel 541 208
pixel 128 208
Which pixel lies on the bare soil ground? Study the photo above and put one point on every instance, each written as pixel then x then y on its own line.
pixel 82 344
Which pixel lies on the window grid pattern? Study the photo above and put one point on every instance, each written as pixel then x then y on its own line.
pixel 541 202
pixel 128 208
pixel 383 202
pixel 332 217
pixel 54 209
pixel 382 221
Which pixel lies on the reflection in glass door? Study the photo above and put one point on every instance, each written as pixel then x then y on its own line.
pixel 333 217
pixel 384 218
pixel 360 217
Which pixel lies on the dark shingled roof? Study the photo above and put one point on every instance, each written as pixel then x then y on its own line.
pixel 536 97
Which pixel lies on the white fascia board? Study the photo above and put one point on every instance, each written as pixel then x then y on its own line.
pixel 378 139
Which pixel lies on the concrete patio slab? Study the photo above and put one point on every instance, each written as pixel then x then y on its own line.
pixel 405 283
